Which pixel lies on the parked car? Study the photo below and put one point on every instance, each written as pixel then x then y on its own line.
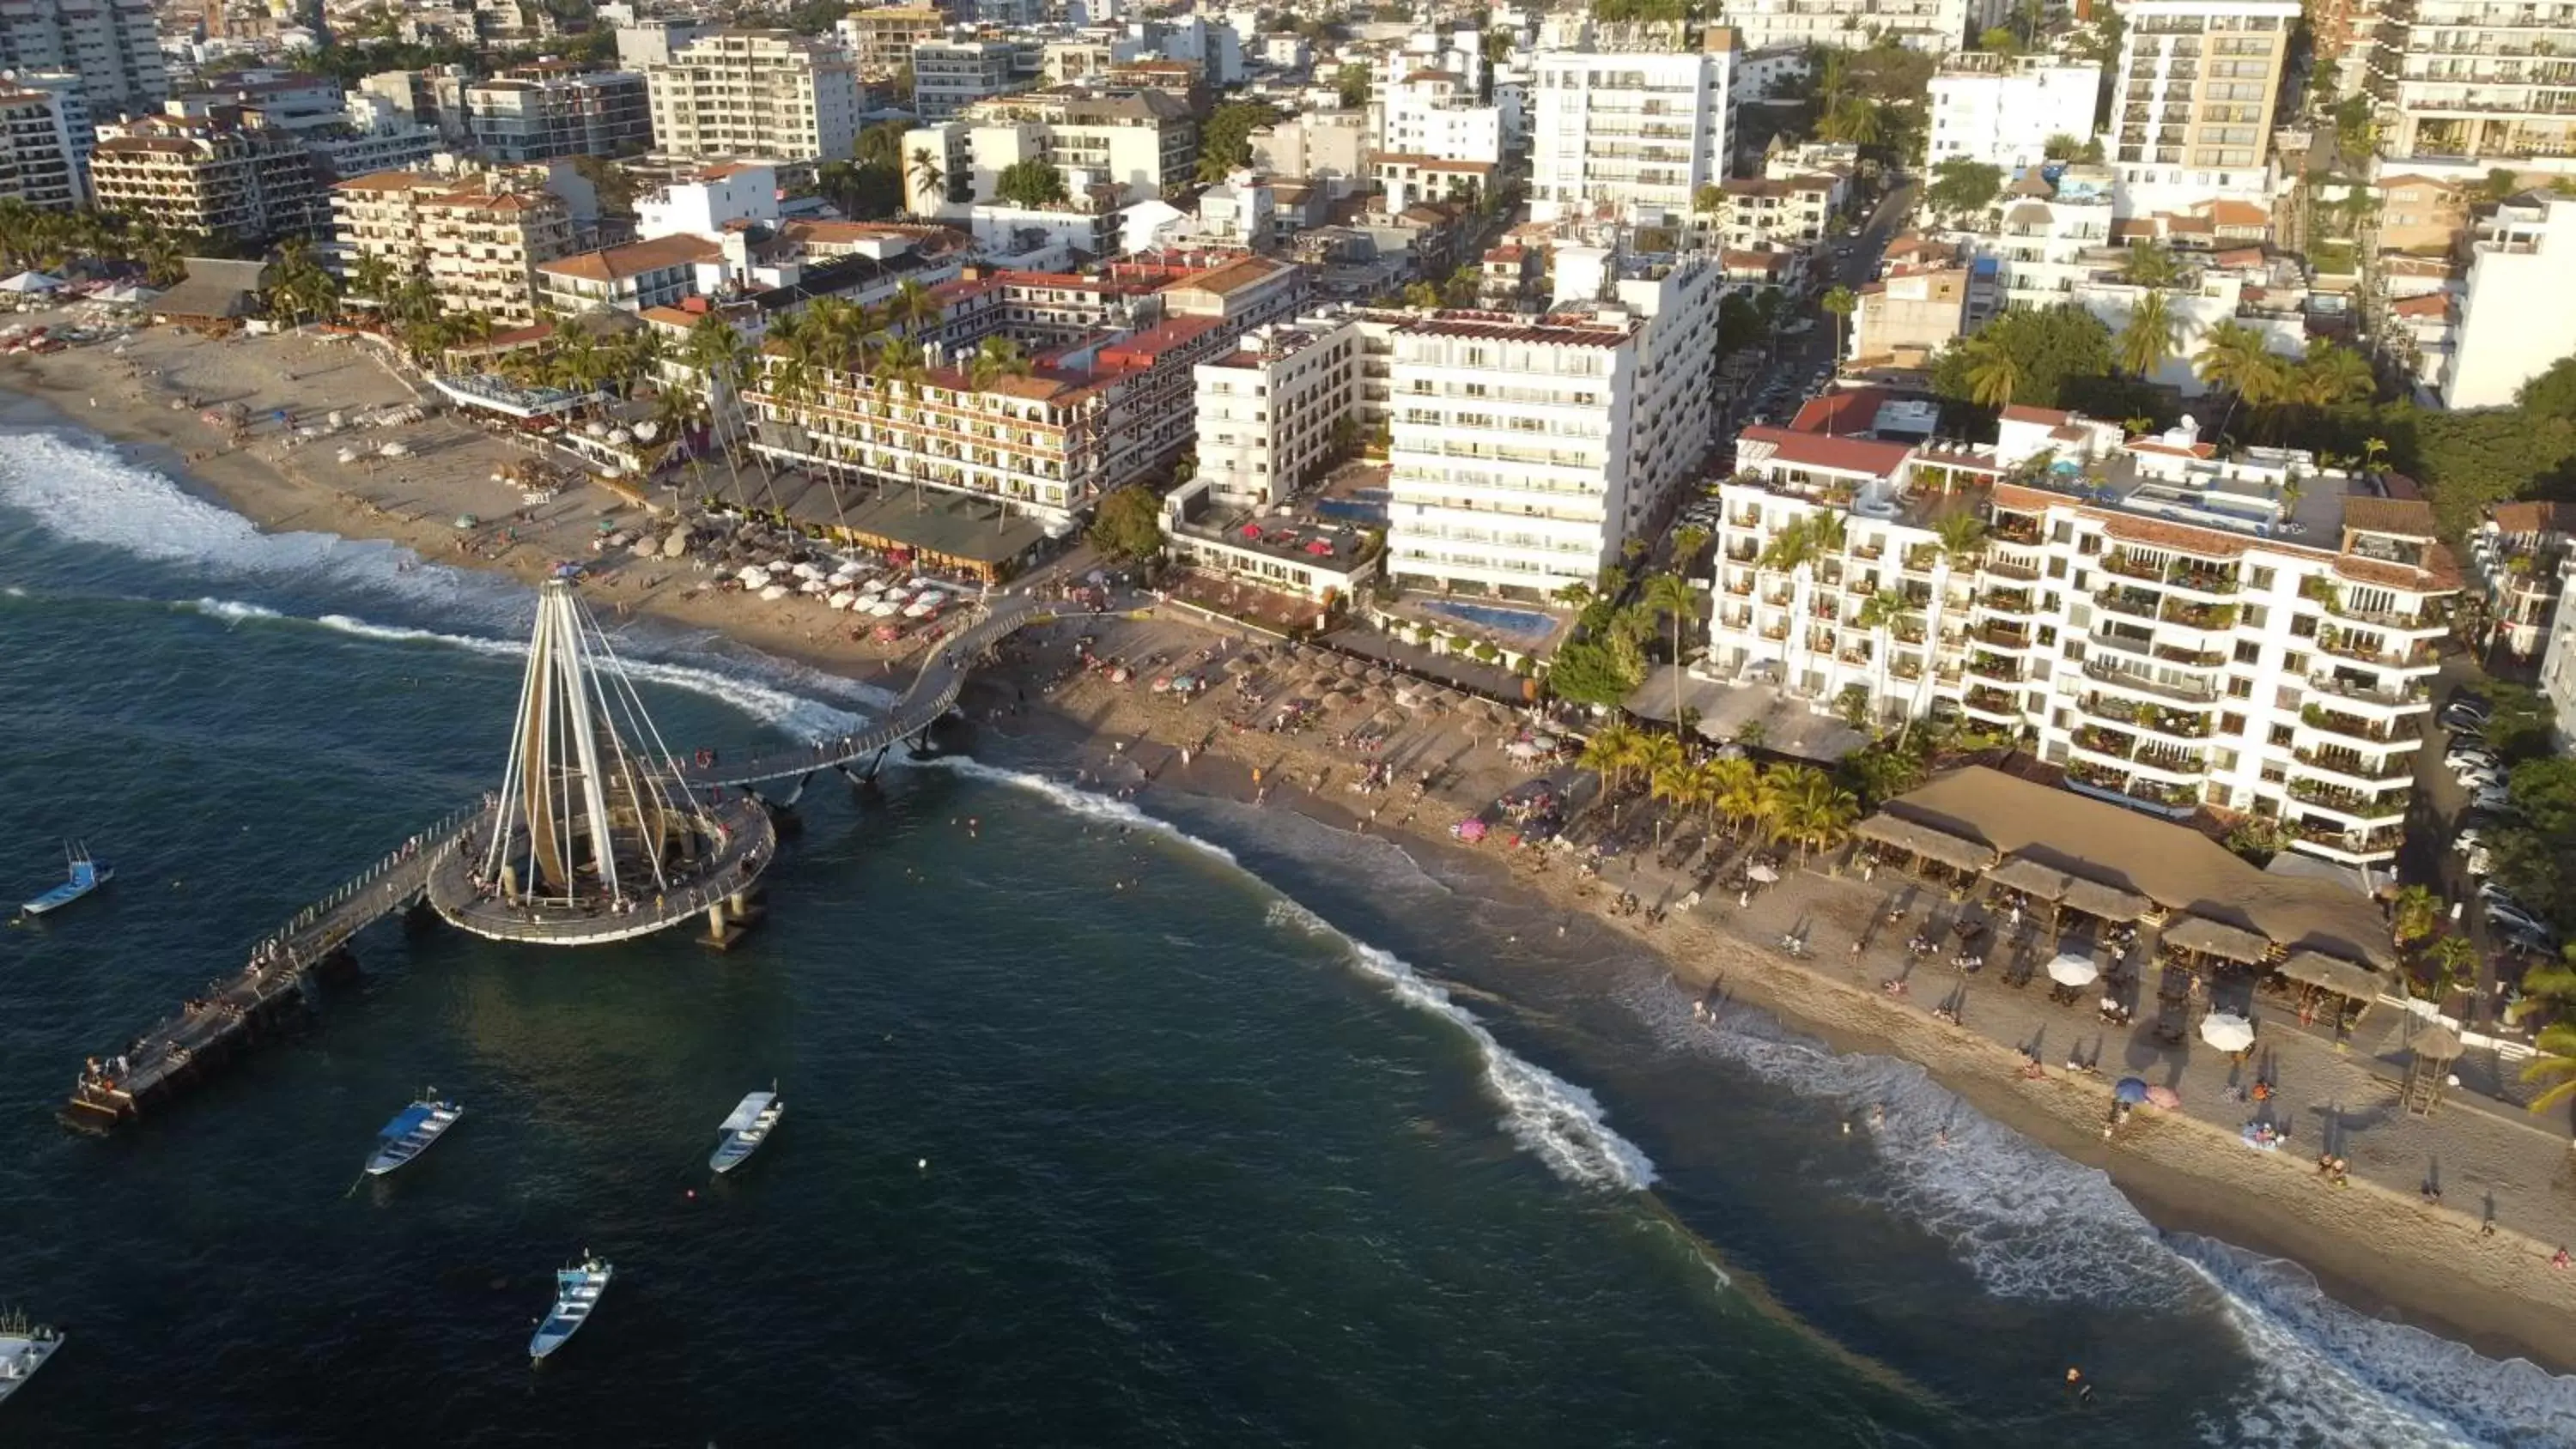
pixel 2481 861
pixel 2469 753
pixel 2505 915
pixel 2468 839
pixel 2498 898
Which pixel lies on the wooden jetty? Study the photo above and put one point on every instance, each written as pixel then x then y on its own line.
pixel 209 1030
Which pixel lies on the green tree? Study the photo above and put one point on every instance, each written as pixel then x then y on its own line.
pixel 1128 524
pixel 1995 374
pixel 1672 596
pixel 928 177
pixel 2149 338
pixel 1225 141
pixel 2151 265
pixel 2038 351
pixel 1963 187
pixel 1030 183
pixel 1354 84
pixel 1839 304
pixel 2414 915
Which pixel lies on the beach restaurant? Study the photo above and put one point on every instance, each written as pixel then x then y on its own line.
pixel 2067 853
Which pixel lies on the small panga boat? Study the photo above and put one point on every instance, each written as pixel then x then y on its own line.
pixel 748 1127
pixel 577 1291
pixel 411 1133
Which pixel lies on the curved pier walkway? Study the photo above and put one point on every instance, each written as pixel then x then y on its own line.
pixel 932 693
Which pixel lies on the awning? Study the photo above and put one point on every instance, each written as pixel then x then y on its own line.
pixel 2030 878
pixel 2343 978
pixel 2436 1043
pixel 2212 938
pixel 1925 841
pixel 2110 903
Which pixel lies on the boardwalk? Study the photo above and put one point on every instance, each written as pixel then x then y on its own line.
pixel 932 693
pixel 234 1011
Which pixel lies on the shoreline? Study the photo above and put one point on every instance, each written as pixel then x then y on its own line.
pixel 2373 1247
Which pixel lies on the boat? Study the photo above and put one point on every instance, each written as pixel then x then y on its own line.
pixel 748 1127
pixel 24 1348
pixel 86 875
pixel 577 1291
pixel 411 1132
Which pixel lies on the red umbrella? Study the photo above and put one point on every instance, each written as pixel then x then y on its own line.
pixel 1252 530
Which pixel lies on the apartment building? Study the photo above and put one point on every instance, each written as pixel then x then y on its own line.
pixel 38 165
pixel 1935 27
pixel 518 117
pixel 215 174
pixel 1906 317
pixel 2558 668
pixel 1430 112
pixel 2518 554
pixel 1323 145
pixel 114 46
pixel 1270 413
pixel 880 39
pixel 477 239
pixel 756 93
pixel 950 75
pixel 2192 101
pixel 2517 313
pixel 1525 453
pixel 1628 134
pixel 2003 110
pixel 2051 235
pixel 1145 143
pixel 2249 633
pixel 2479 81
pixel 2421 215
pixel 1758 213
pixel 662 272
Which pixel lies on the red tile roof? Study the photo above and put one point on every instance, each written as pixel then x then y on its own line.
pixel 1836 455
pixel 2053 417
pixel 2406 518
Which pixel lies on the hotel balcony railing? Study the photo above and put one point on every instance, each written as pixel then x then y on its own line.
pixel 1744 555
pixel 2169 760
pixel 2105 742
pixel 1743 590
pixel 2353 767
pixel 2185 694
pixel 2413 691
pixel 2135 606
pixel 2008 601
pixel 2199 580
pixel 2180 724
pixel 1992 701
pixel 2020 573
pixel 1999 637
pixel 2165 653
pixel 2369 651
pixel 2357 803
pixel 2432 616
pixel 2198 616
pixel 1985 666
pixel 2350 728
pixel 2352 842
pixel 2016 530
pixel 2131 566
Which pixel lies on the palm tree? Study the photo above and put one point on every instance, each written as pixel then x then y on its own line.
pixel 720 355
pixel 2234 360
pixel 2152 266
pixel 1735 790
pixel 1857 120
pixel 1576 595
pixel 1611 752
pixel 373 278
pixel 1994 374
pixel 927 174
pixel 2331 375
pixel 2552 989
pixel 1809 809
pixel 2415 914
pixel 1957 538
pixel 2150 337
pixel 1672 595
pixel 1877 612
pixel 995 358
pixel 1658 756
pixel 1790 552
pixel 1841 303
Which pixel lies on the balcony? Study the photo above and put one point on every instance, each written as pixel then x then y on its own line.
pixel 2431 619
pixel 2129 565
pixel 2104 673
pixel 2198 616
pixel 2178 767
pixel 2345 764
pixel 2006 569
pixel 1999 705
pixel 2173 723
pixel 2413 691
pixel 2124 788
pixel 2122 601
pixel 2202 580
pixel 2358 805
pixel 2002 671
pixel 2353 847
pixel 2016 602
pixel 2350 728
pixel 2016 528
pixel 2370 649
pixel 1997 636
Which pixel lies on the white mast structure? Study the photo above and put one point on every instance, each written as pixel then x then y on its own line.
pixel 582 819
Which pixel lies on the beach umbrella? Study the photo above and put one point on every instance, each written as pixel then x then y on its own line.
pixel 1379 676
pixel 2227 1031
pixel 2071 969
pixel 1469 830
pixel 1765 874
pixel 1523 750
pixel 2130 1090
pixel 2165 1097
pixel 1354 668
pixel 30 282
pixel 774 592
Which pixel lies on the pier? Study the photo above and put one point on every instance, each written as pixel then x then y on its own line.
pixel 254 1002
pixel 429 870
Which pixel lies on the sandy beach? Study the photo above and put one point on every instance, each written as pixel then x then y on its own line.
pixel 2378 1244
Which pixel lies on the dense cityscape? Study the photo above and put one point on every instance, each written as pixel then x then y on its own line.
pixel 1868 502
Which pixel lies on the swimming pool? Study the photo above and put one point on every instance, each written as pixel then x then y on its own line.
pixel 1527 623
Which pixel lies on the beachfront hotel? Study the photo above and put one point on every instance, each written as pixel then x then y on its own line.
pixel 1106 405
pixel 764 94
pixel 478 239
pixel 2173 626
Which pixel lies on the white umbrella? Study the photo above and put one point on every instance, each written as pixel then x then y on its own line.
pixel 774 592
pixel 842 600
pixel 2227 1031
pixel 30 282
pixel 2071 969
pixel 882 608
pixel 1764 874
pixel 1523 750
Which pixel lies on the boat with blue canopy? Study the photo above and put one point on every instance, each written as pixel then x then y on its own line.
pixel 748 1127
pixel 411 1132
pixel 577 1291
pixel 86 874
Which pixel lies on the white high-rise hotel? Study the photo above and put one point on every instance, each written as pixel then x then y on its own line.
pixel 1628 134
pixel 2247 633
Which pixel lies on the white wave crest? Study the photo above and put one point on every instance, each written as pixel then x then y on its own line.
pixel 1077 801
pixel 2342 1377
pixel 232 611
pixel 1562 1124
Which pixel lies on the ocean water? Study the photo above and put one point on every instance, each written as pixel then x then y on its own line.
pixel 1170 1122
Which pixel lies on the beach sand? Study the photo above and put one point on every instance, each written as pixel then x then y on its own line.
pixel 2376 1245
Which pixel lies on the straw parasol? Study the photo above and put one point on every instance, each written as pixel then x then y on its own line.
pixel 1354 667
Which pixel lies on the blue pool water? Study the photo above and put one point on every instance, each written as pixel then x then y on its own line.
pixel 1524 622
pixel 1360 505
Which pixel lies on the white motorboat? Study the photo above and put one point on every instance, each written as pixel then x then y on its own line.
pixel 24 1348
pixel 577 1291
pixel 411 1133
pixel 748 1127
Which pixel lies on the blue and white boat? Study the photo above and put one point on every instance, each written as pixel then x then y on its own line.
pixel 87 875
pixel 24 1348
pixel 577 1291
pixel 746 1129
pixel 411 1133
